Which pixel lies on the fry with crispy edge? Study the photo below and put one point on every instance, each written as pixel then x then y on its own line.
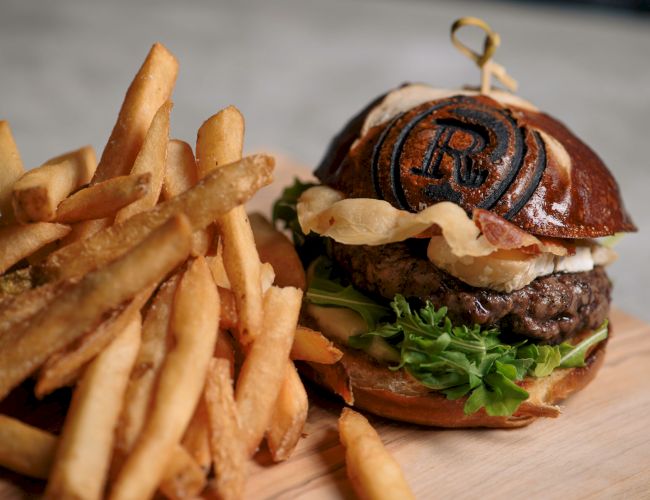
pixel 84 451
pixel 151 87
pixel 82 308
pixel 212 196
pixel 184 478
pixel 372 470
pixel 36 195
pixel 194 326
pixel 63 367
pixel 229 454
pixel 289 416
pixel 276 249
pixel 263 370
pixel 26 449
pixel 104 198
pixel 310 345
pixel 18 308
pixel 18 242
pixel 220 140
pixel 153 348
pixel 151 159
pixel 180 175
pixel 11 168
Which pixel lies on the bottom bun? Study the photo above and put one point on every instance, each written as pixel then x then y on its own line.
pixel 364 383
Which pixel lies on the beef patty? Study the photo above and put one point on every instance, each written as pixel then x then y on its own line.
pixel 551 308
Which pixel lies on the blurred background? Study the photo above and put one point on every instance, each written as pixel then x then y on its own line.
pixel 298 69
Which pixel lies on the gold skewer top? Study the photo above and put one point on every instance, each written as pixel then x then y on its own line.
pixel 483 61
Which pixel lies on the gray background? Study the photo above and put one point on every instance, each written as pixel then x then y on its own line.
pixel 299 69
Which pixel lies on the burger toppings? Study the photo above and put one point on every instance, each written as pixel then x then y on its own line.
pixel 458 360
pixel 486 251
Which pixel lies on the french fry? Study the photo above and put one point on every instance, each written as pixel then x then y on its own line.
pixel 151 159
pixel 36 195
pixel 212 196
pixel 84 449
pixel 151 87
pixel 85 229
pixel 228 449
pixel 26 449
pixel 289 416
pixel 224 349
pixel 372 470
pixel 276 249
pixel 215 262
pixel 184 478
pixel 220 140
pixel 197 436
pixel 194 326
pixel 155 333
pixel 180 175
pixel 262 372
pixel 310 345
pixel 18 242
pixel 63 367
pixel 76 312
pixel 19 308
pixel 228 319
pixel 11 168
pixel 180 172
pixel 103 199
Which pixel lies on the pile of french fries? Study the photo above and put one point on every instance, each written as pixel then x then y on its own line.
pixel 141 282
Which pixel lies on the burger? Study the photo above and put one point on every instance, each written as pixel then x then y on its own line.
pixel 455 252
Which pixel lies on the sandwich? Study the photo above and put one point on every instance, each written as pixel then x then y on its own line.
pixel 455 249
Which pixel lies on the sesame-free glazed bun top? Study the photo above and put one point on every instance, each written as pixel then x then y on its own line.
pixel 417 146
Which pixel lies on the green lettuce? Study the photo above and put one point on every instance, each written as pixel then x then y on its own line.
pixel 458 360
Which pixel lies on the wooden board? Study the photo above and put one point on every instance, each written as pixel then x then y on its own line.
pixel 598 448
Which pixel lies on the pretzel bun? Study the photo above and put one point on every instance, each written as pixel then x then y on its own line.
pixel 417 146
pixel 366 384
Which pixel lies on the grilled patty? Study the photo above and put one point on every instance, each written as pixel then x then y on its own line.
pixel 551 308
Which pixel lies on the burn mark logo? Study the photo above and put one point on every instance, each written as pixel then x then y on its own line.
pixel 458 150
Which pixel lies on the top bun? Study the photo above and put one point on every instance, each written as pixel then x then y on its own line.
pixel 417 146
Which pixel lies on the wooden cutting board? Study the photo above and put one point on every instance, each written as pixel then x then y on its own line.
pixel 598 448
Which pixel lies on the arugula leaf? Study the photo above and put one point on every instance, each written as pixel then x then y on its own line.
pixel 457 360
pixel 574 356
pixel 324 291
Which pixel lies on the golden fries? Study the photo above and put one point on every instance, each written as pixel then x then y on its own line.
pixel 150 358
pixel 263 370
pixel 85 445
pixel 183 476
pixel 289 416
pixel 180 175
pixel 26 449
pixel 103 199
pixel 194 326
pixel 72 314
pixel 220 141
pixel 313 346
pixel 36 195
pixel 214 195
pixel 373 472
pixel 150 302
pixel 228 449
pixel 18 242
pixel 276 249
pixel 63 367
pixel 11 168
pixel 197 436
pixel 151 159
pixel 150 89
